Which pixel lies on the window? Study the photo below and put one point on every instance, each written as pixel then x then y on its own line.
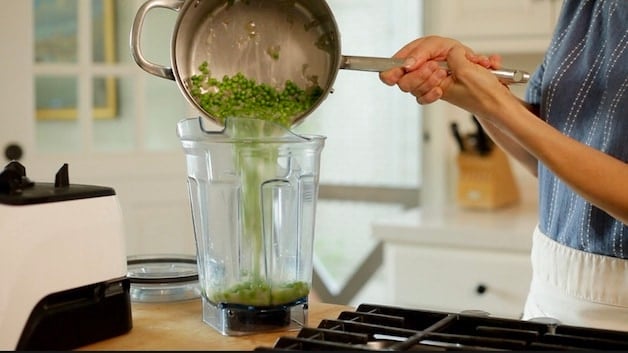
pixel 90 95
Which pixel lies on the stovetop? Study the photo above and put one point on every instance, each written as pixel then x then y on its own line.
pixel 376 327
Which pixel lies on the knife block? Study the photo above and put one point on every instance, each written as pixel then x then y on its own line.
pixel 485 181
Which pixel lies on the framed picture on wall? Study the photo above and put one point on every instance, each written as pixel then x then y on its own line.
pixel 59 57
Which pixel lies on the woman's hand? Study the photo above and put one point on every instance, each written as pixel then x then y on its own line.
pixel 422 75
pixel 472 87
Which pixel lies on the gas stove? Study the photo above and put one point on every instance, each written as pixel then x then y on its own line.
pixel 377 328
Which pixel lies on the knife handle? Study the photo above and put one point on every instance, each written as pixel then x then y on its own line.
pixel 456 133
pixel 482 140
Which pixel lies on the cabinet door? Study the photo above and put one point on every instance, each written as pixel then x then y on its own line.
pixel 454 280
pixel 494 25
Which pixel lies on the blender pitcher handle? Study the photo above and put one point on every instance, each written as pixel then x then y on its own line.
pixel 136 31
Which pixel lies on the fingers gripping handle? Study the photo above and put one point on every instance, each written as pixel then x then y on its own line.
pixel 136 34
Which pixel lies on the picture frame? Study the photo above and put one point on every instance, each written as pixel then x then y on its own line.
pixel 56 43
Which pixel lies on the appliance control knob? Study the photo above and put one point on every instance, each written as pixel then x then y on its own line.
pixel 13 152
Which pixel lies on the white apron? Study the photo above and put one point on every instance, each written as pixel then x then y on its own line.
pixel 575 287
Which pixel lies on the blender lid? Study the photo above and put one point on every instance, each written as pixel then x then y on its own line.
pixel 17 189
pixel 163 278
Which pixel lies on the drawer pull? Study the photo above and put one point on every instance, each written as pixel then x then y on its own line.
pixel 480 289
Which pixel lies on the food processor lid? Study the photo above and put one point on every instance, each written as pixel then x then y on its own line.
pixel 163 278
pixel 17 189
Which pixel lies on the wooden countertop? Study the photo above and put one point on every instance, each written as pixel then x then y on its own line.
pixel 179 326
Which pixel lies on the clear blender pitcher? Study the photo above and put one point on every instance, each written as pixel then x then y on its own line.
pixel 253 189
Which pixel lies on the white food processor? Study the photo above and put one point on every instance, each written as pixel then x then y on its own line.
pixel 62 261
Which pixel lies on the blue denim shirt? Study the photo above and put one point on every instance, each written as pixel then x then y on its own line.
pixel 581 88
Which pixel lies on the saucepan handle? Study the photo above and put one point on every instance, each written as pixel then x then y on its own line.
pixel 136 34
pixel 366 63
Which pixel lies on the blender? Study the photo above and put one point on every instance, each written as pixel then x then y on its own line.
pixel 253 189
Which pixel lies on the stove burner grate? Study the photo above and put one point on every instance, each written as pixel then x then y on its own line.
pixel 377 328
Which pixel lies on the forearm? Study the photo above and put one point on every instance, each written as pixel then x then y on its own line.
pixel 512 147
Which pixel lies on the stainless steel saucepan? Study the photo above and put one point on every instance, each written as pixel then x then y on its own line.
pixel 269 41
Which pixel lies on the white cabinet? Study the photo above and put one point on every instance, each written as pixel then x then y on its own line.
pixel 455 280
pixel 454 260
pixel 494 26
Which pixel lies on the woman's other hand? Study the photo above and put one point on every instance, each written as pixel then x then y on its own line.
pixel 472 87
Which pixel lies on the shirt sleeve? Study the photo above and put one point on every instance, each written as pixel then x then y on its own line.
pixel 533 90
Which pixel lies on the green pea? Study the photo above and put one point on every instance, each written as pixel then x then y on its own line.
pixel 238 95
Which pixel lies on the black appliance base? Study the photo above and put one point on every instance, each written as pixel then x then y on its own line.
pixel 79 316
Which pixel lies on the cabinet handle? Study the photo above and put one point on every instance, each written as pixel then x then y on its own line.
pixel 480 289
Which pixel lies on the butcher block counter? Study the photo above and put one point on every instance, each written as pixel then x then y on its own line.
pixel 178 326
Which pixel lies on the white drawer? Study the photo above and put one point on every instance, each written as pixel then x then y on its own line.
pixel 453 280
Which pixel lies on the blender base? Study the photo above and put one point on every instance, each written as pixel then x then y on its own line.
pixel 239 320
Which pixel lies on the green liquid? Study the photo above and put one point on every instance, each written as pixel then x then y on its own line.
pixel 259 293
